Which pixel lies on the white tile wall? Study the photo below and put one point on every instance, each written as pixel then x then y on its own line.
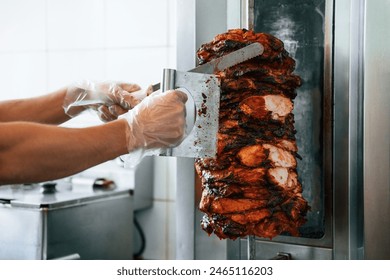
pixel 47 44
pixel 22 25
pixel 22 74
pixel 145 23
pixel 139 65
pixel 75 24
pixel 66 67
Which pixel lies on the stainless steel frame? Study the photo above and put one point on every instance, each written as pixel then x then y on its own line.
pixel 348 133
pixel 376 147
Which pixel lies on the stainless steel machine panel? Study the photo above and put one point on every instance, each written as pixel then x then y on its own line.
pixel 377 131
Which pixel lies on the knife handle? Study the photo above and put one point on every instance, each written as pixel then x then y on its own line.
pixel 168 83
pixel 168 79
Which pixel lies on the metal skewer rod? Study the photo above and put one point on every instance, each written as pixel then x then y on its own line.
pixel 251 247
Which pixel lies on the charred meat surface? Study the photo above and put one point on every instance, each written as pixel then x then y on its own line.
pixel 252 187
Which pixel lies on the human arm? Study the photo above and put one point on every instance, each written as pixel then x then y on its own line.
pixel 32 152
pixel 109 99
pixel 42 109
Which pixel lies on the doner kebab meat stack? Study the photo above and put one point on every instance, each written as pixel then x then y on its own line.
pixel 252 186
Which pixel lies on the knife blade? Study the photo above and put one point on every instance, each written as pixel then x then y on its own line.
pixel 226 61
pixel 231 59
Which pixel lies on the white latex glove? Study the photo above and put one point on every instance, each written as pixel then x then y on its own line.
pixel 159 121
pixel 109 99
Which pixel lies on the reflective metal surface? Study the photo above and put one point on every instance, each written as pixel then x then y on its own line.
pixel 377 131
pixel 275 250
pixel 203 91
pixel 348 97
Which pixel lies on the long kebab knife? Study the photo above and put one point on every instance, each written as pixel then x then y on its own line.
pixel 203 104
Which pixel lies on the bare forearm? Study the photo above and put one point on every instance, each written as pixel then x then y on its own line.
pixel 43 109
pixel 34 153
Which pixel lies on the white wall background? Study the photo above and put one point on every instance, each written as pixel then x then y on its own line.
pixel 48 44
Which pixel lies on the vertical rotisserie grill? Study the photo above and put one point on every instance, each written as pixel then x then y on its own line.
pixel 252 187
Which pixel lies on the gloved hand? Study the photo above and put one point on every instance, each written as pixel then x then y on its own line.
pixel 109 99
pixel 157 122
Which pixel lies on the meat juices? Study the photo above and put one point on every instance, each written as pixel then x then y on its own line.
pixel 252 187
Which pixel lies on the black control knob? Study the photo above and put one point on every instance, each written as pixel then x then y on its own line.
pixel 48 187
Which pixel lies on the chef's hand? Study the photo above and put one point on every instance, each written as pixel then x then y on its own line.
pixel 157 122
pixel 109 99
